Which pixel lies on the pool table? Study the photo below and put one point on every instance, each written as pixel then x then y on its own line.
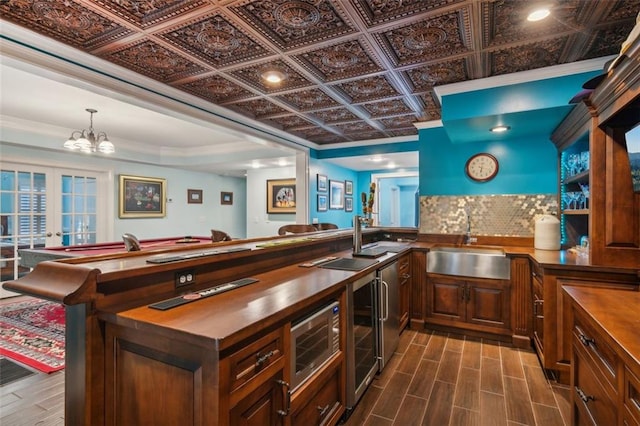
pixel 31 257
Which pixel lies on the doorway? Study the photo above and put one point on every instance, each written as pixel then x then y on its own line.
pixel 46 206
pixel 397 201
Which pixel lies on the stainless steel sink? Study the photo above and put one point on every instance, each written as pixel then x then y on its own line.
pixel 474 262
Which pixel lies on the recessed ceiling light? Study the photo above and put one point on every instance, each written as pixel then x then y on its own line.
pixel 273 76
pixel 376 159
pixel 538 14
pixel 500 129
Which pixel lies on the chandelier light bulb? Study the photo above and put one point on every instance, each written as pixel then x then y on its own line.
pixel 538 14
pixel 86 140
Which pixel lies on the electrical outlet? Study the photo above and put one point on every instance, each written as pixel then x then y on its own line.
pixel 186 277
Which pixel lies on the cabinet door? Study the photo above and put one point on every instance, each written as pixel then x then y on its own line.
pixel 488 304
pixel 261 406
pixel 446 298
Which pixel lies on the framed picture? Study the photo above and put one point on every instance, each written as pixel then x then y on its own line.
pixel 194 196
pixel 322 202
pixel 336 194
pixel 281 196
pixel 226 198
pixel 348 187
pixel 322 183
pixel 348 204
pixel 141 197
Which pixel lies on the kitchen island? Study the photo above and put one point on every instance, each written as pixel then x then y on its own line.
pixel 223 359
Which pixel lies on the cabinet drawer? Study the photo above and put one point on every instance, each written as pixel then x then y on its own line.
pixel 632 395
pixel 603 356
pixel 320 402
pixel 404 272
pixel 254 358
pixel 592 404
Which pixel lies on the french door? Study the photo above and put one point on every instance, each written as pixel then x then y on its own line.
pixel 44 207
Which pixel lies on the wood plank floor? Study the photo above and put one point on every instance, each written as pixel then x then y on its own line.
pixel 443 379
pixel 433 379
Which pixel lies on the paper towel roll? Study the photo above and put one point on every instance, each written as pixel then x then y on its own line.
pixel 547 233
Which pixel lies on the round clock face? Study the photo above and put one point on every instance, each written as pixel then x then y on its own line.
pixel 482 167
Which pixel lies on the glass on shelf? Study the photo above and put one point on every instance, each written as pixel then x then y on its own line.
pixel 585 194
pixel 575 164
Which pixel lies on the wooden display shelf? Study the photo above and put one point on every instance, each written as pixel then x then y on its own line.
pixel 579 178
pixel 577 212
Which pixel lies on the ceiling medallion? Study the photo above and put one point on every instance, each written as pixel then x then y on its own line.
pixel 217 40
pixel 297 15
pixel 425 38
pixel 62 15
pixel 528 58
pixel 367 87
pixel 339 60
pixel 434 76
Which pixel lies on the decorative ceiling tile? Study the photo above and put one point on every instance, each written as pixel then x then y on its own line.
pixel 319 135
pixel 426 77
pixel 379 11
pixel 291 24
pixel 289 122
pixel 403 132
pixel 258 108
pixel 506 21
pixel 145 13
pixel 337 115
pixel 604 40
pixel 399 122
pixel 386 108
pixel 153 60
pixel 367 135
pixel 253 76
pixel 309 100
pixel 216 89
pixel 429 39
pixel 216 41
pixel 624 9
pixel 355 127
pixel 339 62
pixel 381 58
pixel 368 89
pixel 67 22
pixel 430 100
pixel 527 56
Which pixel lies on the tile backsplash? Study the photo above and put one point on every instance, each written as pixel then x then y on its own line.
pixel 494 215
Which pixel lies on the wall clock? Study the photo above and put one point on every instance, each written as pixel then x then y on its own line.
pixel 482 167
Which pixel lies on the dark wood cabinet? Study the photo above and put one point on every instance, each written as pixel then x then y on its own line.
pixel 404 278
pixel 469 303
pixel 320 401
pixel 263 406
pixel 604 361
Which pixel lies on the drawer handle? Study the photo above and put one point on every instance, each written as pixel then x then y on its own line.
pixel 323 411
pixel 586 341
pixel 261 359
pixel 287 398
pixel 583 396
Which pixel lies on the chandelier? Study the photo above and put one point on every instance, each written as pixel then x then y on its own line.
pixel 87 141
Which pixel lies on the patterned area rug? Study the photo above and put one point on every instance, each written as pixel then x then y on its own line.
pixel 32 332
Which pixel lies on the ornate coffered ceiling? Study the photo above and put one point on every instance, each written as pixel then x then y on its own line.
pixel 355 70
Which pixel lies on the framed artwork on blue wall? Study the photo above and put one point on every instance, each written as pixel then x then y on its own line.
pixel 348 187
pixel 348 204
pixel 336 194
pixel 322 183
pixel 322 202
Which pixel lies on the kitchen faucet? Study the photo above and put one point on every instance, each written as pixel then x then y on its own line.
pixel 468 239
pixel 357 234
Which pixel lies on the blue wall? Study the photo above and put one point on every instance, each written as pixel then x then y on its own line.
pixel 527 166
pixel 333 172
